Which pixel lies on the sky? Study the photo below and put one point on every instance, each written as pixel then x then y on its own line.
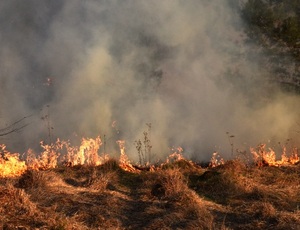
pixel 86 68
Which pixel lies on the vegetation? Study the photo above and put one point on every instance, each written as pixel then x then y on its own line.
pixel 277 19
pixel 91 192
pixel 144 151
pixel 176 195
pixel 275 26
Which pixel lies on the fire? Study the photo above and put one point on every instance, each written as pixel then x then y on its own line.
pixel 124 161
pixel 62 153
pixel 176 155
pixel 85 154
pixel 10 164
pixel 294 158
pixel 59 153
pixel 50 157
pixel 262 157
pixel 216 160
pixel 88 151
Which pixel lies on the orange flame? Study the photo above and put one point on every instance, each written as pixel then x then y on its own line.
pixel 176 155
pixel 124 162
pixel 53 155
pixel 10 164
pixel 88 151
pixel 85 154
pixel 294 158
pixel 62 153
pixel 262 157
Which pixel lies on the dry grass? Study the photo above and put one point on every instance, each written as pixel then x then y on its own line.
pixel 18 211
pixel 257 198
pixel 180 195
pixel 186 209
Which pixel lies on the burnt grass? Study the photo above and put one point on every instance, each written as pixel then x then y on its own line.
pixel 179 195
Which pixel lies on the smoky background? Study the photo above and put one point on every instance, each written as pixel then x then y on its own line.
pixel 88 68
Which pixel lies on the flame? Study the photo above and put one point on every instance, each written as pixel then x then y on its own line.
pixel 88 151
pixel 216 160
pixel 47 159
pixel 10 164
pixel 294 158
pixel 52 155
pixel 124 162
pixel 63 153
pixel 176 155
pixel 85 154
pixel 263 158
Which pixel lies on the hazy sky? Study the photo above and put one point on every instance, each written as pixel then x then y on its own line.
pixel 109 67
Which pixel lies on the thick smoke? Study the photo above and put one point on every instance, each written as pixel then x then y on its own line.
pixel 88 68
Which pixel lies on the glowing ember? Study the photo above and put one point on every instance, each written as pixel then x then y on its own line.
pixel 176 155
pixel 216 160
pixel 48 82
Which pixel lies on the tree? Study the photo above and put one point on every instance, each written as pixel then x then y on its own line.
pixel 275 26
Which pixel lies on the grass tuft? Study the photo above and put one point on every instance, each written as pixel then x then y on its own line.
pixel 176 195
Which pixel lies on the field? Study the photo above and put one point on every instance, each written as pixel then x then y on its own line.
pixel 176 194
pixel 190 71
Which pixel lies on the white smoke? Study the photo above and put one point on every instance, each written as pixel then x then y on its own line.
pixel 183 66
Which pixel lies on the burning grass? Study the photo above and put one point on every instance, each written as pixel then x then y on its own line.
pixel 82 190
pixel 11 165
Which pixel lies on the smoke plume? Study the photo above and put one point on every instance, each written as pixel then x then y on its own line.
pixel 97 67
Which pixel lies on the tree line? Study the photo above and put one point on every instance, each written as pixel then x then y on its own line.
pixel 275 25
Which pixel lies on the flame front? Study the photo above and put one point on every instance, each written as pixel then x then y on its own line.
pixel 62 153
pixel 262 157
pixel 59 153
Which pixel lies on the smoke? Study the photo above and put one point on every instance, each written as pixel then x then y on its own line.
pixel 88 68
